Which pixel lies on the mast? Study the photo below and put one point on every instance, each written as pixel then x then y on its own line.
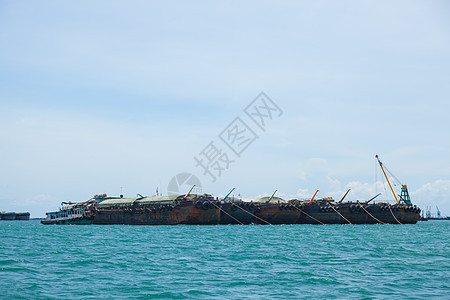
pixel 381 165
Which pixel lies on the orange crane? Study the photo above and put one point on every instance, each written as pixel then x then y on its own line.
pixel 404 194
pixel 385 175
pixel 310 201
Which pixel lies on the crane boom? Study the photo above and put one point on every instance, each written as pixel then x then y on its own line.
pixel 344 196
pixel 185 196
pixel 381 165
pixel 228 194
pixel 271 196
pixel 310 201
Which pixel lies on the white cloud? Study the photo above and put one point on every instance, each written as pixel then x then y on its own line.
pixel 303 194
pixel 333 183
pixel 434 194
pixel 361 191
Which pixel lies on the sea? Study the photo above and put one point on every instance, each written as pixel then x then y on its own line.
pixel 224 262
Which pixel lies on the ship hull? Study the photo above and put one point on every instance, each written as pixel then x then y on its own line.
pixel 354 213
pixel 214 213
pixel 171 214
pixel 14 216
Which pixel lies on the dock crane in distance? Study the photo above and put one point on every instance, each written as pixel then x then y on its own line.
pixel 404 195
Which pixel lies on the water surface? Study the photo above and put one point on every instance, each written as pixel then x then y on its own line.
pixel 229 262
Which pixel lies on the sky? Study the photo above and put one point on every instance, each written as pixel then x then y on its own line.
pixel 122 96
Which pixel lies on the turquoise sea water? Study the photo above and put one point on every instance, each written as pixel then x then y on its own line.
pixel 227 262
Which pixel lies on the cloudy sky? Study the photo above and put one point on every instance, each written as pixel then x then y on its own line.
pixel 104 96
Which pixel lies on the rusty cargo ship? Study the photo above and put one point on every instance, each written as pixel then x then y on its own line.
pixel 192 209
pixel 208 210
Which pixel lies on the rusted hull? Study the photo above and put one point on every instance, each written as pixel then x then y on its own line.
pixel 357 214
pixel 313 214
pixel 277 214
pixel 337 214
pixel 239 213
pixel 188 213
pixel 182 213
pixel 213 213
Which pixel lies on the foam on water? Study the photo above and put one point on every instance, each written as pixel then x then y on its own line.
pixel 178 262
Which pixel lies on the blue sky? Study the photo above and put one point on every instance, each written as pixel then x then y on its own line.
pixel 100 95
